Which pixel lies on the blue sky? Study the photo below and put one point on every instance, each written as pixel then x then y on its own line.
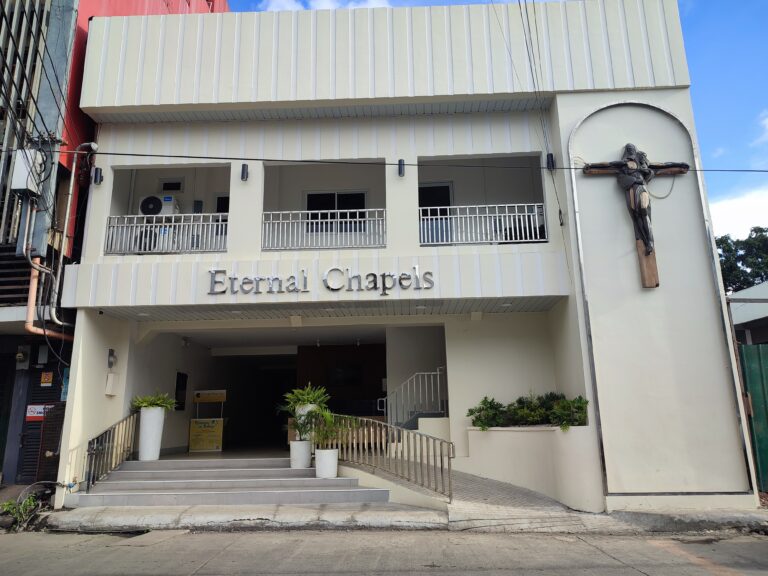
pixel 725 44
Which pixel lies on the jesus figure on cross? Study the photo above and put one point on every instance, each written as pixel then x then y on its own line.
pixel 633 173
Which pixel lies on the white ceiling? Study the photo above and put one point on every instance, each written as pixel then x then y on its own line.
pixel 272 337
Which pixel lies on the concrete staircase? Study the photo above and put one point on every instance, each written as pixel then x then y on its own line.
pixel 14 277
pixel 242 481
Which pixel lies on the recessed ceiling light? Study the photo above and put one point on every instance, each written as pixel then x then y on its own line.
pixel 236 312
pixel 143 314
pixel 329 309
pixel 420 307
pixel 506 305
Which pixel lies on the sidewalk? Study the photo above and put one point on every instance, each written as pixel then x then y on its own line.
pixel 479 505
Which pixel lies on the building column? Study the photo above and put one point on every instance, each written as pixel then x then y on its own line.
pixel 402 205
pixel 246 210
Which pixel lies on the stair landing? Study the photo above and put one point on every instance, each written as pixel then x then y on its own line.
pixel 208 481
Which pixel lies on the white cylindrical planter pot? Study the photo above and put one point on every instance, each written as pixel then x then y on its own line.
pixel 326 463
pixel 301 454
pixel 151 433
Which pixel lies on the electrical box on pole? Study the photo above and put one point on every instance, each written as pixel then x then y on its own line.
pixel 27 169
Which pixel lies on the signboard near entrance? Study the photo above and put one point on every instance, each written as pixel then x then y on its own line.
pixel 206 434
pixel 208 396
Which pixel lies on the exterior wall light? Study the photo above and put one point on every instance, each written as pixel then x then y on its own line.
pixel 111 358
pixel 401 167
pixel 244 172
pixel 98 176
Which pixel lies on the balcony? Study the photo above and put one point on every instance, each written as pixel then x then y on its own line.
pixel 318 229
pixel 166 234
pixel 488 224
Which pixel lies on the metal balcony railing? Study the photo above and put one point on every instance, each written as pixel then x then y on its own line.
pixel 319 229
pixel 167 234
pixel 498 224
pixel 424 394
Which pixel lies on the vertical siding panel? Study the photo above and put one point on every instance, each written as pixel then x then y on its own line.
pixel 167 92
pixel 343 52
pixel 265 55
pixel 125 88
pixel 638 46
pixel 503 76
pixel 381 52
pixel 323 54
pixel 478 48
pixel 676 47
pixel 188 71
pixel 602 70
pixel 459 48
pixel 557 40
pixel 207 63
pixel 285 55
pixel 662 73
pixel 421 62
pixel 307 52
pixel 363 51
pixel 247 54
pixel 440 63
pixel 402 52
pixel 537 15
pixel 578 47
pixel 150 64
pixel 229 33
pixel 92 67
pixel 522 68
pixel 620 58
pixel 114 39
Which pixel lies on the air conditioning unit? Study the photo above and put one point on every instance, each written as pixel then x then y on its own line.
pixel 158 205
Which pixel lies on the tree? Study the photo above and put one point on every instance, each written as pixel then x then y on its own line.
pixel 744 263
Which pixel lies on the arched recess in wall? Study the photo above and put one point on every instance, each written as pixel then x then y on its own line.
pixel 635 333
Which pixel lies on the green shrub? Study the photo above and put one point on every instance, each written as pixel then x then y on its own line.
pixel 551 408
pixel 303 396
pixel 22 512
pixel 325 427
pixel 488 413
pixel 153 401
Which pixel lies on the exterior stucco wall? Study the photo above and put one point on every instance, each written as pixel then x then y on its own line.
pixel 413 349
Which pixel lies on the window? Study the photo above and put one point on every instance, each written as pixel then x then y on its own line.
pixel 336 211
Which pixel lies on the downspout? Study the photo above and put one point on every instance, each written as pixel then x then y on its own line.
pixel 58 269
pixel 29 325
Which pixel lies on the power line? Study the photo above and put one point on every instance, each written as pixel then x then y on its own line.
pixel 366 162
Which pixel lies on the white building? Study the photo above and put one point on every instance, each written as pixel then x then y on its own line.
pixel 398 217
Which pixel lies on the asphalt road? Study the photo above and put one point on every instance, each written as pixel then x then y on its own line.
pixel 380 553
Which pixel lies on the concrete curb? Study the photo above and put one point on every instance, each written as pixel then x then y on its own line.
pixel 696 521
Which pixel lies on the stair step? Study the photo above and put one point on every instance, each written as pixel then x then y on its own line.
pixel 207 463
pixel 212 474
pixel 235 497
pixel 163 486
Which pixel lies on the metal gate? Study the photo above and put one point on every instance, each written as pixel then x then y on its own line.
pixel 754 364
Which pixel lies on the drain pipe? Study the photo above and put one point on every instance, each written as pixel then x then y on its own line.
pixel 58 269
pixel 29 324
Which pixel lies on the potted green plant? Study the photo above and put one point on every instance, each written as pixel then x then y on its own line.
pixel 300 403
pixel 325 431
pixel 152 408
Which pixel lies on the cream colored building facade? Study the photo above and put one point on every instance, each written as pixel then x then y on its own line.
pixel 423 134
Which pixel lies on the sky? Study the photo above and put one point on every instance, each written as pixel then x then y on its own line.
pixel 729 88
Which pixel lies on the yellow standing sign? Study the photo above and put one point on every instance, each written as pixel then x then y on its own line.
pixel 205 434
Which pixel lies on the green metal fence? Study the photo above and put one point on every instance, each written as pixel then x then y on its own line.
pixel 754 364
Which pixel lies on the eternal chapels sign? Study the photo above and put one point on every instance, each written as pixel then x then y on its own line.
pixel 334 279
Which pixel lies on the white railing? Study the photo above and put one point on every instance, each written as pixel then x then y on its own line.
pixel 167 234
pixel 424 393
pixel 498 223
pixel 324 229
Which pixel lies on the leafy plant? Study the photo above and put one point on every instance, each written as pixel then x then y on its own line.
pixel 527 411
pixel 302 424
pixel 566 413
pixel 303 396
pixel 487 414
pixel 325 427
pixel 153 401
pixel 22 512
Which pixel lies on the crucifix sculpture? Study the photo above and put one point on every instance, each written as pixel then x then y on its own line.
pixel 633 173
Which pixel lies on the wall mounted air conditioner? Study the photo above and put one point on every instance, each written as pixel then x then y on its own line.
pixel 158 205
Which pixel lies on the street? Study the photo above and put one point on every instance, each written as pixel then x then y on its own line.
pixel 373 553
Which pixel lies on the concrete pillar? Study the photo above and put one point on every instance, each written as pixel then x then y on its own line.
pixel 246 210
pixel 402 205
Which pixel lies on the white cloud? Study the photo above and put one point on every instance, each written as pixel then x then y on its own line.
pixel 718 152
pixel 276 5
pixel 738 214
pixel 763 121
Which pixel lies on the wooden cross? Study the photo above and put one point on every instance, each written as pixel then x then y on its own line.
pixel 633 173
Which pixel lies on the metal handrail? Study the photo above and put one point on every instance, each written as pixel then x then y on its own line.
pixel 109 449
pixel 422 393
pixel 311 229
pixel 488 223
pixel 412 456
pixel 167 234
